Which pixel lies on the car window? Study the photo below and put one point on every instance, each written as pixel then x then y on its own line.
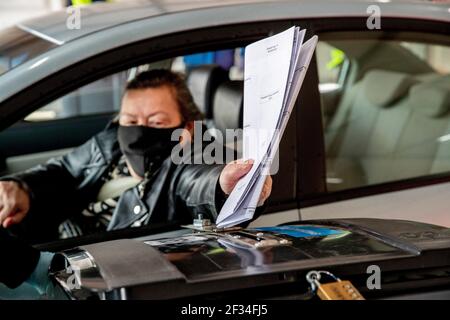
pixel 331 61
pixel 333 66
pixel 104 96
pixel 388 118
pixel 18 47
pixel 231 60
pixel 56 128
pixel 100 97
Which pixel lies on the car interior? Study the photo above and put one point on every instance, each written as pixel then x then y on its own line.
pixel 391 120
pixel 217 97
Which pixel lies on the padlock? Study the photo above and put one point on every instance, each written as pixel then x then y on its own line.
pixel 336 290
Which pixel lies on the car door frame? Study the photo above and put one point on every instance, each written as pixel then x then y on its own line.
pixel 142 52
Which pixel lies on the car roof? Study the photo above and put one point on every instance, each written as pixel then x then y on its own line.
pixel 101 16
pixel 105 27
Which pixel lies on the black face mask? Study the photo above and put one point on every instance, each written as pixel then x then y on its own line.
pixel 145 147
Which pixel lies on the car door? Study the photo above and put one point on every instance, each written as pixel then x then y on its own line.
pixel 58 135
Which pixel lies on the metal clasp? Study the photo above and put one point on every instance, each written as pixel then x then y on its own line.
pixel 313 277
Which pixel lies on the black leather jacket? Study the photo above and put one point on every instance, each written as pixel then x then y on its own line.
pixel 64 186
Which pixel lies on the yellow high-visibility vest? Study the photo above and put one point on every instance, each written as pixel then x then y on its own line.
pixel 81 2
pixel 76 3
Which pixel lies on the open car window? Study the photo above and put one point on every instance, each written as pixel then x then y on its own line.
pixel 87 111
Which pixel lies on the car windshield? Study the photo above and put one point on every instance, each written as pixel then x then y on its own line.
pixel 18 46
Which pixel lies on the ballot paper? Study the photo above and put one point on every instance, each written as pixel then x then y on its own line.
pixel 274 71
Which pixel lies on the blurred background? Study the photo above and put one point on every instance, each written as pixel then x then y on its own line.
pixel 12 12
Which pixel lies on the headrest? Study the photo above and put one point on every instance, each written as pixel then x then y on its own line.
pixel 383 88
pixel 203 81
pixel 228 105
pixel 431 98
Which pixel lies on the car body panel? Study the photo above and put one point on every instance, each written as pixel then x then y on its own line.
pixel 104 16
pixel 425 204
pixel 97 17
pixel 111 36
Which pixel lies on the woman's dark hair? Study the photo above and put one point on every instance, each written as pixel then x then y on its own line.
pixel 162 77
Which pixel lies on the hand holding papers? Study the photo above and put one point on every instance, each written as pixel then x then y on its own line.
pixel 274 71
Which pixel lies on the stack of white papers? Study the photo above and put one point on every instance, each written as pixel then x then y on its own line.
pixel 275 68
